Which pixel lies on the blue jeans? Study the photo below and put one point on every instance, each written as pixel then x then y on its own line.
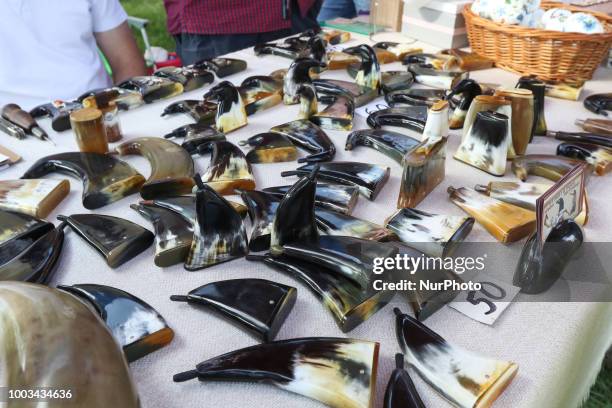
pixel 342 8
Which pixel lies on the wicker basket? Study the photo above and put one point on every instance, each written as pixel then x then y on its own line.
pixel 551 55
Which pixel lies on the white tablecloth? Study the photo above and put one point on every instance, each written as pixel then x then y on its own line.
pixel 558 346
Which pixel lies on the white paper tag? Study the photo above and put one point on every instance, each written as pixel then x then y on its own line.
pixel 488 303
pixel 335 47
pixel 376 105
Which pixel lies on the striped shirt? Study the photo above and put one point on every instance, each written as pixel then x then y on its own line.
pixel 229 16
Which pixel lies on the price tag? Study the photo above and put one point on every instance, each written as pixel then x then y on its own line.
pixel 488 303
pixel 335 47
pixel 366 110
pixel 561 202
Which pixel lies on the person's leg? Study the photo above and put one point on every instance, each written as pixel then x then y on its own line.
pixel 337 8
pixel 177 42
pixel 299 24
pixel 224 44
pixel 273 35
pixel 362 6
pixel 196 47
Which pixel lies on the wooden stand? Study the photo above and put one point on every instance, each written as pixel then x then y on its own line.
pixel 388 13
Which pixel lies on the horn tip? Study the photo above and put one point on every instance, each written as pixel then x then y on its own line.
pixel 179 298
pixel 185 376
pixel 399 360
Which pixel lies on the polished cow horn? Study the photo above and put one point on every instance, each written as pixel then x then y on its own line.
pixel 260 93
pixel 425 74
pixel 483 103
pixel 152 88
pixel 351 258
pixel 37 262
pixel 368 74
pixel 172 168
pixel 424 169
pixel 173 233
pixel 309 137
pixel 105 179
pixel 29 248
pixel 468 89
pixel 543 165
pixel 401 392
pixel 337 115
pixel 259 305
pixel 36 197
pixel 392 144
pixel 396 81
pixel 523 195
pixel 349 304
pixel 196 134
pixel 369 178
pixel 191 77
pixel 409 117
pixel 486 144
pixel 270 147
pixel 222 67
pixel 540 266
pixel 435 235
pixel 424 300
pixel 333 87
pixel 336 197
pixel 295 216
pixel 52 339
pixel 334 223
pixel 309 104
pixel 584 137
pixel 305 366
pixel 136 326
pixel 116 239
pixel 506 222
pixel 231 114
pixel 218 233
pixel 262 208
pixel 298 75
pixel 598 157
pixel 203 112
pixel 466 379
pixel 185 206
pixel 229 169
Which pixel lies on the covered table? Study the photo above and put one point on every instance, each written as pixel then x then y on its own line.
pixel 558 346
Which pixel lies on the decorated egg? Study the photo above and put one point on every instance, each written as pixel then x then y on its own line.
pixel 532 5
pixel 583 23
pixel 483 8
pixel 536 19
pixel 509 12
pixel 554 19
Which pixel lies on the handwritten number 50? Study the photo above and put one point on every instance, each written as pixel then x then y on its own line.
pixel 471 297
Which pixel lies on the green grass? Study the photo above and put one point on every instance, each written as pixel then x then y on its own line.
pixel 601 393
pixel 152 10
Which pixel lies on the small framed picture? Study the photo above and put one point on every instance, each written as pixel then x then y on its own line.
pixel 561 202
